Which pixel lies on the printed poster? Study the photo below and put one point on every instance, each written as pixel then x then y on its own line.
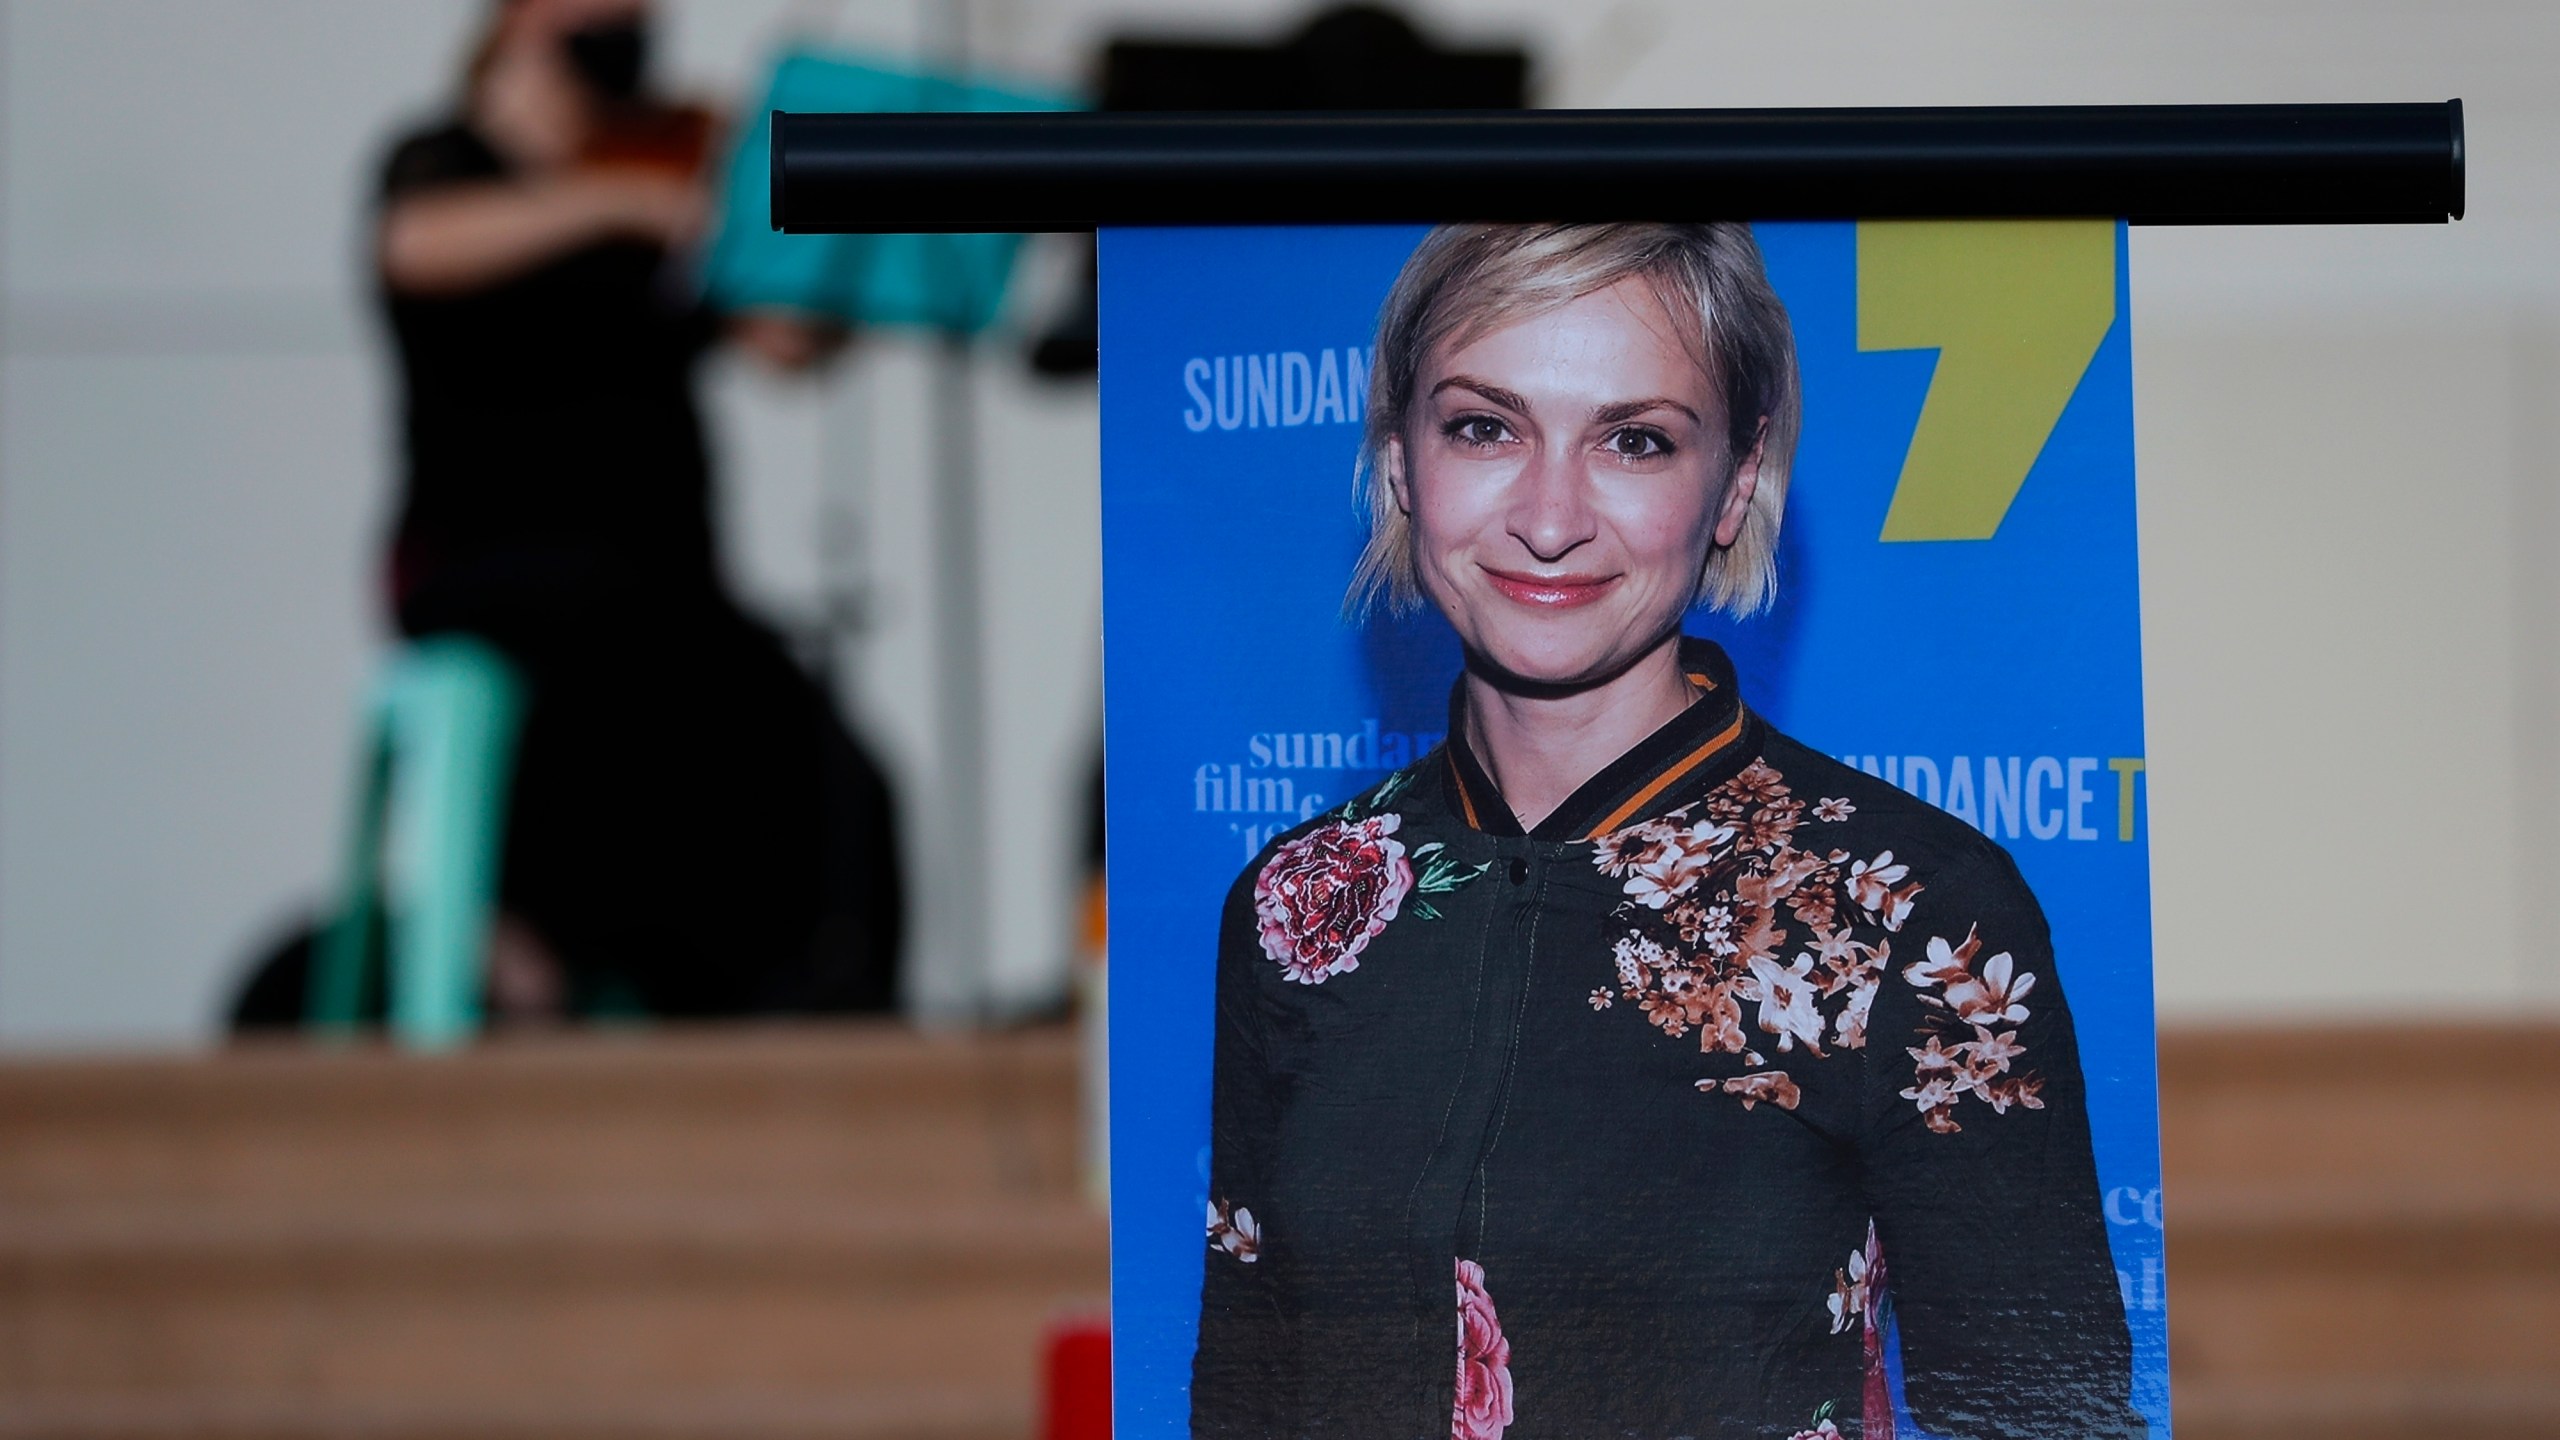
pixel 1630 910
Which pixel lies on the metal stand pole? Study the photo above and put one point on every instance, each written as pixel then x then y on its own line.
pixel 847 497
pixel 960 670
pixel 959 624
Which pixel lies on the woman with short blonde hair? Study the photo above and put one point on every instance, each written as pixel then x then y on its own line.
pixel 1465 278
pixel 1624 1067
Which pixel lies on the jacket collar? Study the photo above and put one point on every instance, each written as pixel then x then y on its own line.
pixel 1700 747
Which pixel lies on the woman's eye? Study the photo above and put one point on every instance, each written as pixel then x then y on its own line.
pixel 1478 430
pixel 1637 443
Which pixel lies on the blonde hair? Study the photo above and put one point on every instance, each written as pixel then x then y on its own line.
pixel 1464 280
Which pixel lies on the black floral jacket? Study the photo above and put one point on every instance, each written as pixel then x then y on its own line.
pixel 1637 1124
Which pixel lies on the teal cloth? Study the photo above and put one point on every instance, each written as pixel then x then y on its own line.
pixel 940 282
pixel 422 854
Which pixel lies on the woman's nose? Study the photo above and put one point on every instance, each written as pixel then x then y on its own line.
pixel 1550 507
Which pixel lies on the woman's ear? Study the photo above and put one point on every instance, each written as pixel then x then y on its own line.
pixel 1397 484
pixel 1739 490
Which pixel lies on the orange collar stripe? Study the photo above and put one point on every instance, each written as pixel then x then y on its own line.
pixel 1466 802
pixel 1663 781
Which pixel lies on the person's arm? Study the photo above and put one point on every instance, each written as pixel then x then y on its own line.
pixel 456 238
pixel 1981 1178
pixel 1243 1375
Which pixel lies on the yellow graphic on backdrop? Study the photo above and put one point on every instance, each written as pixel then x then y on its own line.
pixel 2126 767
pixel 2015 310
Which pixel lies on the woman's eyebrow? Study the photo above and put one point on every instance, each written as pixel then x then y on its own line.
pixel 1630 409
pixel 1507 399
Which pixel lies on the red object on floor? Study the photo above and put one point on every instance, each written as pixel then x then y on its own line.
pixel 1075 1403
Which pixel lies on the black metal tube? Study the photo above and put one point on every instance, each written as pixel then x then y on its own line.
pixel 2153 164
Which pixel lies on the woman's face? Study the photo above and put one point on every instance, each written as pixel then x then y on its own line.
pixel 1566 477
pixel 532 101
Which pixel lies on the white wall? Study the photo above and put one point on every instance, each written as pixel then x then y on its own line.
pixel 2352 629
pixel 195 461
pixel 192 449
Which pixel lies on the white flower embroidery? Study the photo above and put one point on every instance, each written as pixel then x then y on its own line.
pixel 1714 906
pixel 1994 996
pixel 1848 1299
pixel 1235 1231
pixel 1787 996
pixel 1871 882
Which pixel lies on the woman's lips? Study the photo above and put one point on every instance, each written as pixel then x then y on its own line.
pixel 1555 592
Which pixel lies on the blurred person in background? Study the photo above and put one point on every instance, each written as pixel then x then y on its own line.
pixel 692 830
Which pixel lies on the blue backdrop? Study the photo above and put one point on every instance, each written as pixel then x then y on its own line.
pixel 2005 670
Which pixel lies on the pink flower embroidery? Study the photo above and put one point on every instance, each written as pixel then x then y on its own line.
pixel 1858 1297
pixel 1995 1051
pixel 1876 1397
pixel 1623 852
pixel 2025 1090
pixel 1328 893
pixel 1483 1409
pixel 1770 1085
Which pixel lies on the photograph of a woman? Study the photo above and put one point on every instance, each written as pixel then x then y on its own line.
pixel 1622 1067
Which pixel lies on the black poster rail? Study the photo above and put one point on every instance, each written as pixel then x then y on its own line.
pixel 2153 164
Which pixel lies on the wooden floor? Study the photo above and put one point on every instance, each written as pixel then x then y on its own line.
pixel 2364 1232
pixel 751 1234
pixel 861 1234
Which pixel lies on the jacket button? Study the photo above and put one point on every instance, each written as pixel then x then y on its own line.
pixel 1519 872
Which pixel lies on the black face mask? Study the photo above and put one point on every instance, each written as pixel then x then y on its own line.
pixel 612 57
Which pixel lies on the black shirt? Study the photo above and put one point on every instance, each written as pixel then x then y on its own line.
pixel 689 825
pixel 1639 1124
pixel 552 439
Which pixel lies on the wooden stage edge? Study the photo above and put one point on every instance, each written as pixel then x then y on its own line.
pixel 770 1232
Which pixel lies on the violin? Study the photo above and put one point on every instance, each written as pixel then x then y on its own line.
pixel 676 141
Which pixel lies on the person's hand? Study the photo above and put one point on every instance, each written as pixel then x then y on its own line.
pixel 527 984
pixel 787 340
